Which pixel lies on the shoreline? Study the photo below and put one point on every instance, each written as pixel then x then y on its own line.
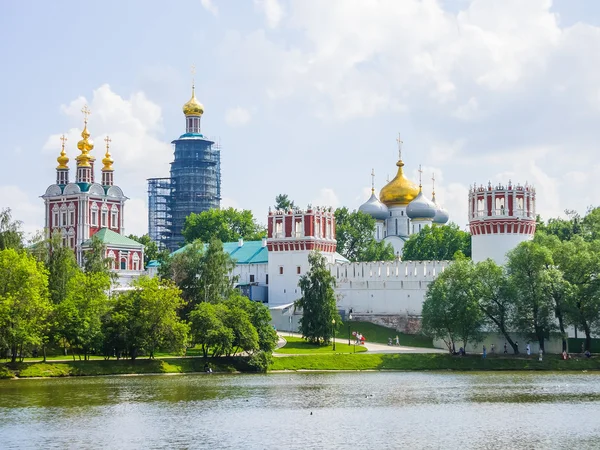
pixel 363 362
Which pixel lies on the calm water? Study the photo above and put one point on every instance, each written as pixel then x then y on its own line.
pixel 349 410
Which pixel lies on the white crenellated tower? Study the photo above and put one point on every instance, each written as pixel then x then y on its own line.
pixel 500 218
pixel 292 234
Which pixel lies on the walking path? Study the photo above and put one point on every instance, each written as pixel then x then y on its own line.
pixel 373 347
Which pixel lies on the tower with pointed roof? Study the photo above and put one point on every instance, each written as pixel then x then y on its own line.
pixel 194 184
pixel 82 209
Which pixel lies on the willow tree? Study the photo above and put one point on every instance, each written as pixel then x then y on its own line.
pixel 320 317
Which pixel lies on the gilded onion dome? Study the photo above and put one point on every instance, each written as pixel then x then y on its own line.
pixel 107 160
pixel 63 159
pixel 400 191
pixel 421 208
pixel 85 146
pixel 374 208
pixel 193 107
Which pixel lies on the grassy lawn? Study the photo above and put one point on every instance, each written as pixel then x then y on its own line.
pixel 114 367
pixel 427 361
pixel 297 345
pixel 380 334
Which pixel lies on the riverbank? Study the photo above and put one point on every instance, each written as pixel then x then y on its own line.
pixel 122 367
pixel 417 362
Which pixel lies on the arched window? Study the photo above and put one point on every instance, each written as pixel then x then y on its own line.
pixel 114 215
pixel 63 216
pixel 104 217
pixel 136 262
pixel 94 215
pixel 112 259
pixel 55 222
pixel 123 263
pixel 71 214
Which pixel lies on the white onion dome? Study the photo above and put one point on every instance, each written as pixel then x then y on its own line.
pixel 441 214
pixel 374 208
pixel 421 208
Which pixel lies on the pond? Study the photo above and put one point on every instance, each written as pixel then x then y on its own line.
pixel 304 411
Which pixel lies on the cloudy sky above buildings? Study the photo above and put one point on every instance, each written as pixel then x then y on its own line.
pixel 307 96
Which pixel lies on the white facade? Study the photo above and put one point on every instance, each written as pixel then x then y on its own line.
pixel 495 246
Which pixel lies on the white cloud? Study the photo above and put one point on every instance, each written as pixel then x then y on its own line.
pixel 467 111
pixel 136 216
pixel 228 202
pixel 210 7
pixel 237 116
pixel 23 208
pixel 272 10
pixel 326 198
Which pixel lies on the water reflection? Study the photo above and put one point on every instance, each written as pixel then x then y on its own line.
pixel 349 410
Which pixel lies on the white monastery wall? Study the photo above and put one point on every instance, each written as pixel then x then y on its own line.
pixel 387 288
pixel 251 273
pixel 495 246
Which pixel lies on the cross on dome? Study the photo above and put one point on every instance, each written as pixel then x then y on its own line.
pixel 86 112
pixel 400 142
pixel 372 180
pixel 420 176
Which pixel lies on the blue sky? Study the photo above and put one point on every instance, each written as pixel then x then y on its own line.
pixel 307 96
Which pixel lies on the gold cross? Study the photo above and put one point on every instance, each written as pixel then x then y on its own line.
pixel 86 112
pixel 64 139
pixel 399 141
pixel 108 141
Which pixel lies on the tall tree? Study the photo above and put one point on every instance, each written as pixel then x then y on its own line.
pixel 151 250
pixel 527 265
pixel 11 235
pixel 94 259
pixel 24 303
pixel 355 237
pixel 495 299
pixel 591 224
pixel 79 316
pixel 579 262
pixel 145 318
pixel 320 316
pixel 564 229
pixel 282 202
pixel 451 311
pixel 259 316
pixel 227 225
pixel 437 243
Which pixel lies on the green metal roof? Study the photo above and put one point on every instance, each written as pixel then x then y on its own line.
pixel 251 252
pixel 109 237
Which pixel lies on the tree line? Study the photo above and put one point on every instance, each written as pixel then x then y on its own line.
pixel 48 302
pixel 547 285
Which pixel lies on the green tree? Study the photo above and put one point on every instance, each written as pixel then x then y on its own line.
pixel 355 233
pixel 579 262
pixel 94 258
pixel 207 327
pixel 451 311
pixel 260 317
pixel 320 317
pixel 245 337
pixel 11 235
pixel 227 225
pixel 282 202
pixel 527 265
pixel 437 243
pixel 202 274
pixel 145 318
pixel 591 224
pixel 61 264
pixel 151 250
pixel 79 315
pixel 564 229
pixel 24 303
pixel 495 300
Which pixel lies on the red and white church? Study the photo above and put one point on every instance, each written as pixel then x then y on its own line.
pixel 84 208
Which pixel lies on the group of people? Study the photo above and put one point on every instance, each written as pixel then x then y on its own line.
pixel 359 338
pixel 395 341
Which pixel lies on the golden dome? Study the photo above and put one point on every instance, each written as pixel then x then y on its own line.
pixel 85 146
pixel 400 191
pixel 193 107
pixel 63 159
pixel 107 160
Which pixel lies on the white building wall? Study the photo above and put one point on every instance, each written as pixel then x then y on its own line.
pixel 283 287
pixel 495 246
pixel 393 288
pixel 243 272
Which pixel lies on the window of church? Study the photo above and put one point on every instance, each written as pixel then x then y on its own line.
pixel 123 264
pixel 71 218
pixel 113 218
pixel 55 218
pixel 280 270
pixel 298 270
pixel 136 262
pixel 251 278
pixel 104 217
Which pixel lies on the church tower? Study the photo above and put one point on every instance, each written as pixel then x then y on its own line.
pixel 83 209
pixel 292 235
pixel 500 218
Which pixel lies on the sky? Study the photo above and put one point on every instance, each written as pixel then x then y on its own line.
pixel 305 97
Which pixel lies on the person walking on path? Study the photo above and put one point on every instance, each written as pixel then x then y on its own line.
pixel 505 350
pixel 484 352
pixel 516 347
pixel 493 348
pixel 528 349
pixel 541 354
